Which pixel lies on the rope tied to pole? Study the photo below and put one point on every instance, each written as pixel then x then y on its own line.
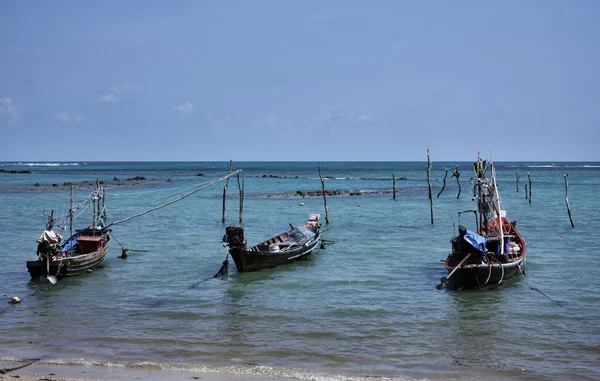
pixel 175 200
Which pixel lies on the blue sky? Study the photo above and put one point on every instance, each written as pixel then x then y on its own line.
pixel 299 80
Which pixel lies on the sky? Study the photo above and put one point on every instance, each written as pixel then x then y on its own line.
pixel 303 80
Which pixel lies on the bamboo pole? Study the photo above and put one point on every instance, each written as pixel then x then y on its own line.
pixel 529 177
pixel 443 186
pixel 225 191
pixel 394 185
pixel 429 185
pixel 517 178
pixel 324 198
pixel 241 190
pixel 567 199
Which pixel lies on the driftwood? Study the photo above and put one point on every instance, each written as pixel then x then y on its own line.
pixel 225 191
pixel 394 186
pixel 457 175
pixel 241 190
pixel 529 177
pixel 517 178
pixel 443 186
pixel 429 185
pixel 324 197
pixel 567 199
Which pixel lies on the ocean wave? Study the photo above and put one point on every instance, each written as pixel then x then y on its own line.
pixel 242 370
pixel 562 166
pixel 45 164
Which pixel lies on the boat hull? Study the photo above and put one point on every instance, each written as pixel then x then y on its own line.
pixel 477 276
pixel 67 267
pixel 257 260
pixel 82 252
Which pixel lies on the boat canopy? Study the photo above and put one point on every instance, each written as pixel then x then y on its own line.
pixel 477 241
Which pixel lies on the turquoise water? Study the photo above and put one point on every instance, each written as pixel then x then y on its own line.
pixel 365 307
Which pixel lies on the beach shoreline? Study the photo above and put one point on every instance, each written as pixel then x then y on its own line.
pixel 53 372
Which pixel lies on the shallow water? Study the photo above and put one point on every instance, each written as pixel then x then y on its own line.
pixel 365 307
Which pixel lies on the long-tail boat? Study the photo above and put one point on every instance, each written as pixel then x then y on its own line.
pixel 494 250
pixel 294 244
pixel 85 249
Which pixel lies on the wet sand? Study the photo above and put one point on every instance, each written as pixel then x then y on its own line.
pixel 44 372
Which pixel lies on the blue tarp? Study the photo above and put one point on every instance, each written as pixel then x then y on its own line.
pixel 475 240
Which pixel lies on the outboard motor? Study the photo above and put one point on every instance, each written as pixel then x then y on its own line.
pixel 234 236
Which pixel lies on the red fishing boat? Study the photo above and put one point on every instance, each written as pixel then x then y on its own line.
pixel 494 250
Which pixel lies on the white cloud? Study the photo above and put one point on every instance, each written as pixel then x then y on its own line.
pixel 132 88
pixel 275 124
pixel 10 110
pixel 184 108
pixel 112 93
pixel 334 117
pixel 126 88
pixel 108 98
pixel 336 121
pixel 220 123
pixel 68 118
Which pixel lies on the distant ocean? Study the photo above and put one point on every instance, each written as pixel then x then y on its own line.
pixel 364 308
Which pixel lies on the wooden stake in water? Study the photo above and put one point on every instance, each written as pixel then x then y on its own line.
pixel 456 174
pixel 567 199
pixel 324 198
pixel 241 189
pixel 394 186
pixel 517 178
pixel 429 185
pixel 529 177
pixel 443 186
pixel 225 191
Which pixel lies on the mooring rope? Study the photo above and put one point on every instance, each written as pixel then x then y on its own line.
pixel 489 268
pixel 560 303
pixel 173 201
pixel 223 271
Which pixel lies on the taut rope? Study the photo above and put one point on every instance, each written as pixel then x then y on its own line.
pixel 173 201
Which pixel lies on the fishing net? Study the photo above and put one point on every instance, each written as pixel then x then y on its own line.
pixel 300 233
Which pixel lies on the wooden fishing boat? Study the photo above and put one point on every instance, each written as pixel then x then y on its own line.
pixel 292 245
pixel 85 249
pixel 495 250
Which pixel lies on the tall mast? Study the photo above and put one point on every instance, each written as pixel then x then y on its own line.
pixel 94 198
pixel 497 206
pixel 71 210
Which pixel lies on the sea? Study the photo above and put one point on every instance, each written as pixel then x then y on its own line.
pixel 364 308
